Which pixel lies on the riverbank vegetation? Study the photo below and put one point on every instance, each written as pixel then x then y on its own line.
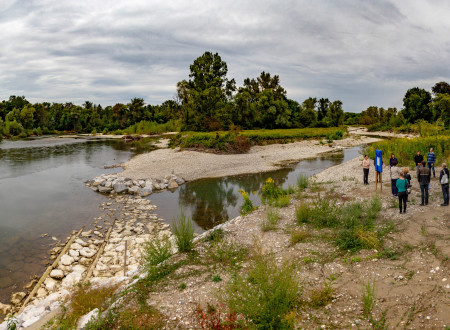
pixel 240 141
pixel 406 149
pixel 211 101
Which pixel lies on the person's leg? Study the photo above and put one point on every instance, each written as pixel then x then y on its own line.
pixel 422 193
pixel 400 201
pixel 366 175
pixel 434 173
pixel 395 187
pixel 445 193
pixel 392 187
pixel 405 200
pixel 426 193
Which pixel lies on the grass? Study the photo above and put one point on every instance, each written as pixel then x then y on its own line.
pixel 299 235
pixel 368 297
pixel 151 127
pixel 302 181
pixel 406 149
pixel 227 252
pixel 283 201
pixel 240 142
pixel 302 213
pixel 265 293
pixel 271 220
pixel 322 296
pixel 183 229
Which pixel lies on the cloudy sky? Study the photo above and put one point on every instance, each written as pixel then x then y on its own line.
pixel 360 52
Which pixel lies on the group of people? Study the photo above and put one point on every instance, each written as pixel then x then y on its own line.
pixel 401 179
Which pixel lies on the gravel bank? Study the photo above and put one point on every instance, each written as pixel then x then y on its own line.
pixel 193 165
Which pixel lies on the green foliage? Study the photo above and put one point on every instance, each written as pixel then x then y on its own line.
pixel 283 201
pixel 264 293
pixel 302 213
pixel 270 222
pixel 406 149
pixel 270 191
pixel 227 252
pixel 157 251
pixel 183 229
pixel 248 205
pixel 416 105
pixel 12 128
pixel 152 127
pixel 302 181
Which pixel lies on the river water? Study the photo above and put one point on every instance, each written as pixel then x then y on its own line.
pixel 42 191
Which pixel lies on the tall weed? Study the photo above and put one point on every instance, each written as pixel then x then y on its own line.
pixel 157 251
pixel 183 230
pixel 265 293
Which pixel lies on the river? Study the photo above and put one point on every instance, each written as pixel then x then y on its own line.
pixel 42 192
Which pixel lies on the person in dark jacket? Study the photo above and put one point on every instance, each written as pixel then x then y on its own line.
pixel 431 159
pixel 443 179
pixel 392 160
pixel 418 158
pixel 424 175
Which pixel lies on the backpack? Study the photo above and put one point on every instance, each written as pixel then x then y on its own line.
pixel 444 179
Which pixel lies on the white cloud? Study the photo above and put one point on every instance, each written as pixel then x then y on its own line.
pixel 363 53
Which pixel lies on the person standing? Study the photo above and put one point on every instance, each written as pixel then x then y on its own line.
pixel 366 166
pixel 431 159
pixel 395 174
pixel 402 185
pixel 392 160
pixel 418 158
pixel 424 175
pixel 443 179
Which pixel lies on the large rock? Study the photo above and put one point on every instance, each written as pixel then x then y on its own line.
pixel 146 191
pixel 74 253
pixel 50 283
pixel 57 273
pixel 66 260
pixel 120 188
pixel 104 189
pixel 71 279
pixel 17 297
pixel 173 184
pixel 133 190
pixel 92 315
pixel 41 293
pixel 87 252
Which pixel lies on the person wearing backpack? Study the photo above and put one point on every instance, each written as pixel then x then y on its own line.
pixel 443 179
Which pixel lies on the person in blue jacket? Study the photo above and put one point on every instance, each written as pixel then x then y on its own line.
pixel 431 159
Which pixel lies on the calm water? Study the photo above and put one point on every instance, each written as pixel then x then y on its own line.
pixel 42 191
pixel 212 201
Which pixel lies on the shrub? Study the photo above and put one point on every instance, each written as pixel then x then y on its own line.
pixel 157 251
pixel 368 297
pixel 324 214
pixel 302 213
pixel 302 181
pixel 183 230
pixel 248 205
pixel 270 192
pixel 265 293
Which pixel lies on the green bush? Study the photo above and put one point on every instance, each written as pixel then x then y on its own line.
pixel 183 229
pixel 264 293
pixel 324 214
pixel 283 201
pixel 248 205
pixel 157 251
pixel 302 213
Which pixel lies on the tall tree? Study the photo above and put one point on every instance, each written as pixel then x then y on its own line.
pixel 416 105
pixel 322 108
pixel 441 88
pixel 209 90
pixel 336 113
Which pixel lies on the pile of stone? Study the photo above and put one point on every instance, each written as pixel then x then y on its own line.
pixel 139 226
pixel 113 183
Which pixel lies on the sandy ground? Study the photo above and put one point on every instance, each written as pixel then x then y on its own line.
pixel 363 131
pixel 411 290
pixel 193 165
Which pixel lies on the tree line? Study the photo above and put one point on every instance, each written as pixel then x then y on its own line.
pixel 209 101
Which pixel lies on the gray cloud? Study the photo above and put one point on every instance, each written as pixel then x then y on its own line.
pixel 361 52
